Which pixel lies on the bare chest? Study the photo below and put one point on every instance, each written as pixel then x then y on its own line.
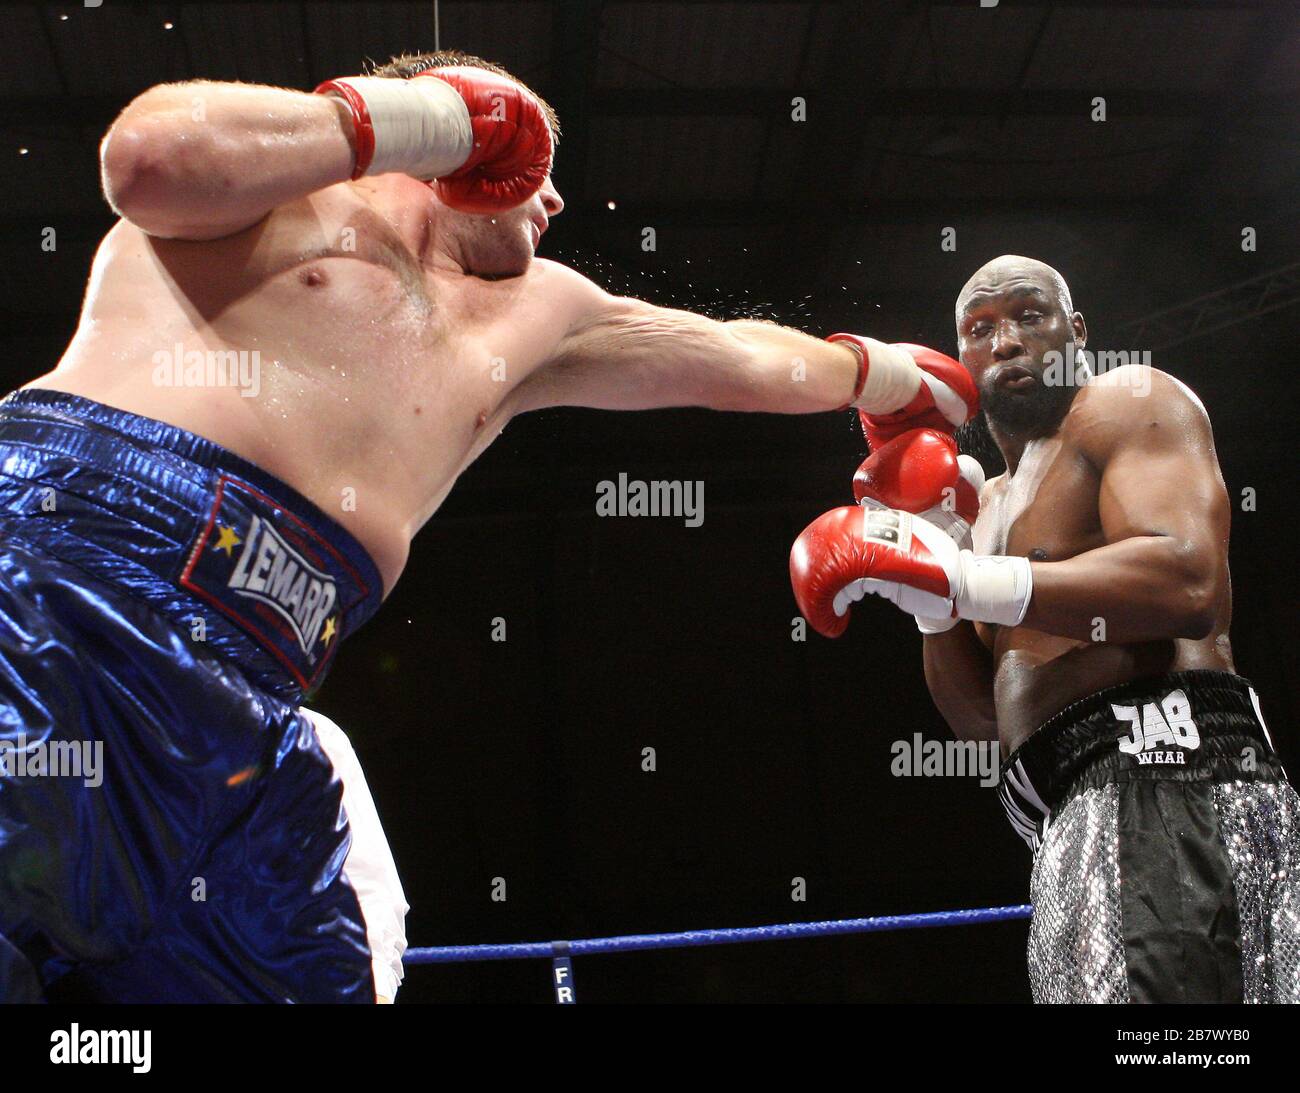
pixel 1047 511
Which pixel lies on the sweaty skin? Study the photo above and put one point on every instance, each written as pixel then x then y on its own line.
pixel 1116 498
pixel 396 337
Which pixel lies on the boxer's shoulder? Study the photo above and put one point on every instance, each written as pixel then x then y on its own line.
pixel 1132 404
pixel 1135 386
pixel 577 300
pixel 566 283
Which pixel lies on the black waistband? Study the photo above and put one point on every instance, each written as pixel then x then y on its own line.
pixel 187 526
pixel 1190 726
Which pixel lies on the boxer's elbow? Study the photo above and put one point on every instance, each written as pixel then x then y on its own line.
pixel 1197 618
pixel 1197 588
pixel 128 167
pixel 140 173
pixel 153 166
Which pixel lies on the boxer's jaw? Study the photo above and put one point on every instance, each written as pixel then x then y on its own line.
pixel 1018 398
pixel 491 246
pixel 496 246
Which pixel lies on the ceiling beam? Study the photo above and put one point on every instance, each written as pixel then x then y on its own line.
pixel 1216 311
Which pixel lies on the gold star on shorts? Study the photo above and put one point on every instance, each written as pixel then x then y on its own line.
pixel 227 540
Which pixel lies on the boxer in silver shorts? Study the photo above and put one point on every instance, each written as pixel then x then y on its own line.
pixel 1084 627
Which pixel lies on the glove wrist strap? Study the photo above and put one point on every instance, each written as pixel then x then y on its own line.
pixel 994 588
pixel 420 127
pixel 888 377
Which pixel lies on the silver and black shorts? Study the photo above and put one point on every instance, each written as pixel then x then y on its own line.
pixel 1166 844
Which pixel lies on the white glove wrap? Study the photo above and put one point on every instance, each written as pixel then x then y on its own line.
pixel 421 126
pixel 994 588
pixel 893 378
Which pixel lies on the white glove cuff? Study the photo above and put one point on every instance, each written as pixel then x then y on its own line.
pixel 994 588
pixel 420 126
pixel 893 378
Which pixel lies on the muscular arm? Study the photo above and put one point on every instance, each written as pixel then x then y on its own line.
pixel 1164 513
pixel 202 160
pixel 959 674
pixel 624 354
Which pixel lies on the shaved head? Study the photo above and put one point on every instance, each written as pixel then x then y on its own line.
pixel 990 276
pixel 1016 328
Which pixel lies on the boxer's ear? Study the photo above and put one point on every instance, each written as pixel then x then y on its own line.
pixel 1080 329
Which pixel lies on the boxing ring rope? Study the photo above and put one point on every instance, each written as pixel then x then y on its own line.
pixel 561 952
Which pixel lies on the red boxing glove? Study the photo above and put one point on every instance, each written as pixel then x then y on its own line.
pixel 512 149
pixel 483 137
pixel 947 398
pixel 848 553
pixel 917 471
pixel 921 472
pixel 867 546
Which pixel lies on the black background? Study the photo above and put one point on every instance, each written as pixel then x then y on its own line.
pixel 522 759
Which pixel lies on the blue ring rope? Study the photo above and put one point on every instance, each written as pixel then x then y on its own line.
pixel 456 954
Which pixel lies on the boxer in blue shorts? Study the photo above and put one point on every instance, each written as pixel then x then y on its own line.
pixel 314 312
pixel 163 604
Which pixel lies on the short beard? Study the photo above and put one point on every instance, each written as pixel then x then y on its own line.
pixel 1024 412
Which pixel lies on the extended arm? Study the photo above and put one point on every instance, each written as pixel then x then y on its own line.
pixel 618 353
pixel 624 354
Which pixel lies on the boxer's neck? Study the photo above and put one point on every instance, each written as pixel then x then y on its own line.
pixel 1012 442
pixel 413 211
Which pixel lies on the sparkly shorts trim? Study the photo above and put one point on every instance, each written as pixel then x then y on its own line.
pixel 1169 891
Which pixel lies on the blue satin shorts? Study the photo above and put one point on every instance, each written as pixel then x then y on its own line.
pixel 170 829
